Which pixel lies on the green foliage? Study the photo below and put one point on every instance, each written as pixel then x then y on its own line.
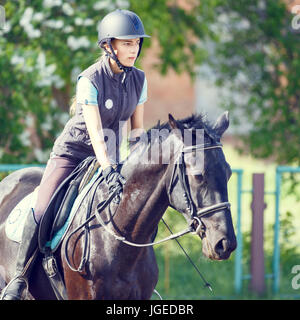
pixel 251 46
pixel 179 280
pixel 257 59
pixel 38 54
pixel 288 232
pixel 44 47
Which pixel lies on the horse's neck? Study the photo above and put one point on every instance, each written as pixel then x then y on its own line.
pixel 144 199
pixel 144 202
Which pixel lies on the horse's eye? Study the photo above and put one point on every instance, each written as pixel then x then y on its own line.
pixel 198 177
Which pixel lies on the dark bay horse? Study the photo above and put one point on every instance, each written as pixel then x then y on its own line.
pixel 117 270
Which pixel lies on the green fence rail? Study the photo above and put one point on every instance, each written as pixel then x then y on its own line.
pixel 13 167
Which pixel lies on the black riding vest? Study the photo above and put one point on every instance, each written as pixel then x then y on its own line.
pixel 118 96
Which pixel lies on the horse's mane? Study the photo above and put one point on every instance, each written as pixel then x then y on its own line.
pixel 195 121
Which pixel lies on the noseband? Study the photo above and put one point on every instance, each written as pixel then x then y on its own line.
pixel 190 206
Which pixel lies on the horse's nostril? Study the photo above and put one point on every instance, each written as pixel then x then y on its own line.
pixel 221 246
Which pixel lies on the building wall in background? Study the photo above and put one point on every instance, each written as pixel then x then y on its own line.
pixel 171 93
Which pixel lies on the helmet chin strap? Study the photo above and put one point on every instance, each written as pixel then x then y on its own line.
pixel 112 55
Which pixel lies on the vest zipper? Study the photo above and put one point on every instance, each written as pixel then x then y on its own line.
pixel 122 87
pixel 123 81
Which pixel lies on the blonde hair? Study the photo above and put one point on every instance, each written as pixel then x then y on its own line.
pixel 72 109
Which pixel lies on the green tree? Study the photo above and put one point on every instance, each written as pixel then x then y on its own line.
pixel 250 45
pixel 257 58
pixel 45 45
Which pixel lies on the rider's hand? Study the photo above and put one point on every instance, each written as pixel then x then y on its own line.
pixel 114 180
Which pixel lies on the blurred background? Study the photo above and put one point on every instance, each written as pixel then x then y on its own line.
pixel 203 57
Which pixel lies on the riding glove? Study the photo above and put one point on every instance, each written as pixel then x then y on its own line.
pixel 114 180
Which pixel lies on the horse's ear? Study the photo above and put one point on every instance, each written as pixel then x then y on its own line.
pixel 175 126
pixel 221 124
pixel 172 122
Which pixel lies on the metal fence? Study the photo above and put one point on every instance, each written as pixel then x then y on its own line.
pixel 275 275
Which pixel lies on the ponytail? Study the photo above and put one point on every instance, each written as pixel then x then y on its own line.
pixel 72 109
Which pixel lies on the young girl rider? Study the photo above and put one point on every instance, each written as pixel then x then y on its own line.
pixel 108 93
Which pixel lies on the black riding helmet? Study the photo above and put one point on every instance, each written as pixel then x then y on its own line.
pixel 120 24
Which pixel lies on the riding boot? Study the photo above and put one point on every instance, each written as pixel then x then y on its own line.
pixel 25 259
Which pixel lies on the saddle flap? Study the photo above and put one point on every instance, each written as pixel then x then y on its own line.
pixel 65 206
pixel 61 203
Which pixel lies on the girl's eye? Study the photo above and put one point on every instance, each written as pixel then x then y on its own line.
pixel 131 44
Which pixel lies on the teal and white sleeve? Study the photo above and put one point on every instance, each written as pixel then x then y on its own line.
pixel 86 93
pixel 143 97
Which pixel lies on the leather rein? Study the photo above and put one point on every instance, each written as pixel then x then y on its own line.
pixel 191 208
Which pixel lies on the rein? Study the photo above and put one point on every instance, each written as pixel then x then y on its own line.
pixel 100 207
pixel 195 215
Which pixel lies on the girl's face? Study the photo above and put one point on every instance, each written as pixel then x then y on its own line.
pixel 126 50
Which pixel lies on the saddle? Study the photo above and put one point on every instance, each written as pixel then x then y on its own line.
pixel 62 201
pixel 56 215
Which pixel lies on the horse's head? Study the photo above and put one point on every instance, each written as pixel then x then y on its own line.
pixel 198 183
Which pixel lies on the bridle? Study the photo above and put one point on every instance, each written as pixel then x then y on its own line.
pixel 191 208
pixel 196 226
pixel 195 215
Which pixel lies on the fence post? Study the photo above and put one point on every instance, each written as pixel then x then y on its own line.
pixel 276 256
pixel 258 206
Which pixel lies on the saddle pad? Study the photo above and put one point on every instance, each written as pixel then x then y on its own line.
pixel 54 242
pixel 15 222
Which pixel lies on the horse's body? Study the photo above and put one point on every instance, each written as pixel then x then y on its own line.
pixel 115 270
pixel 12 190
